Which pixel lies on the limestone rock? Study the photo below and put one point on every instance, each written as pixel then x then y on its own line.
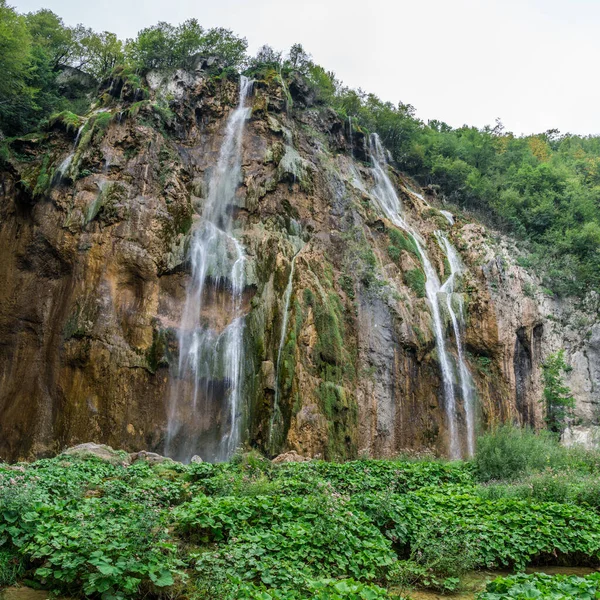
pixel 100 451
pixel 150 457
pixel 291 456
pixel 94 275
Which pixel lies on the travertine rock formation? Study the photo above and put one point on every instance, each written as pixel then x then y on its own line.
pixel 94 276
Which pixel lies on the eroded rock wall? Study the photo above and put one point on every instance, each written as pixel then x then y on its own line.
pixel 94 276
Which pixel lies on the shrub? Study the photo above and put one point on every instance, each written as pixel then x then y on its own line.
pixel 439 556
pixel 552 485
pixel 557 396
pixel 285 542
pixel 509 452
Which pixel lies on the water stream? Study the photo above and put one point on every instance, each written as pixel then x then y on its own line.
pixel 385 194
pixel 205 397
pixel 458 326
pixel 63 169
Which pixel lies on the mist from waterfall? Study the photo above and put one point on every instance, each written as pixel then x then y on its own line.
pixel 205 396
pixel 387 198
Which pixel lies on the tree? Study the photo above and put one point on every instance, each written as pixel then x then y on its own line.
pixel 15 52
pixel 299 59
pixel 104 51
pixel 224 45
pixel 267 56
pixel 61 44
pixel 557 396
pixel 16 95
pixel 153 47
pixel 166 47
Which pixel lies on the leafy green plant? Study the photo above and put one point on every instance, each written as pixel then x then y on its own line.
pixel 509 452
pixel 540 585
pixel 504 532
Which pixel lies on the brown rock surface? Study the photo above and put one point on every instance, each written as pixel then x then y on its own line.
pixel 94 279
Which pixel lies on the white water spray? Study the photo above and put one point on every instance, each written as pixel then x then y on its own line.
pixel 63 169
pixel 458 326
pixel 205 399
pixel 385 194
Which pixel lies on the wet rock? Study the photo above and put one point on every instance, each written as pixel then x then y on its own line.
pixel 196 460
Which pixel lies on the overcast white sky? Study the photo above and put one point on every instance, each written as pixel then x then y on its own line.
pixel 534 63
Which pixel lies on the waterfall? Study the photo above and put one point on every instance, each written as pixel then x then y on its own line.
pixel 385 194
pixel 64 166
pixel 205 396
pixel 448 215
pixel 284 325
pixel 458 326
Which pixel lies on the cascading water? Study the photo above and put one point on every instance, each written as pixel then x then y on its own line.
pixel 205 396
pixel 63 168
pixel 385 194
pixel 284 325
pixel 458 326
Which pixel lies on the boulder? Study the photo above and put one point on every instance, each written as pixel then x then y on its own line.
pixel 150 457
pixel 196 459
pixel 291 456
pixel 100 451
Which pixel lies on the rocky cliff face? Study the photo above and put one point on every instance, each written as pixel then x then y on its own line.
pixel 94 272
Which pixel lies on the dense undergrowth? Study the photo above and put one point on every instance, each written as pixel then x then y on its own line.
pixel 250 529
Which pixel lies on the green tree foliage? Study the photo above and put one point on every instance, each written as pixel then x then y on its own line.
pixel 15 46
pixel 62 45
pixel 105 52
pixel 15 65
pixel 165 46
pixel 557 397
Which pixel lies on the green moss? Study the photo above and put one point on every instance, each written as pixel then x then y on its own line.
pixel 394 253
pixel 399 240
pixel 67 120
pixel 415 279
pixel 419 333
pixel 447 268
pixel 135 109
pixel 347 284
pixel 163 111
pixel 158 355
pixel 342 413
pixel 329 328
pixel 44 178
pixel 333 398
pixel 106 205
pixel 101 123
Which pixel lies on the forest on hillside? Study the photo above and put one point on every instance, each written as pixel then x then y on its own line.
pixel 543 189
